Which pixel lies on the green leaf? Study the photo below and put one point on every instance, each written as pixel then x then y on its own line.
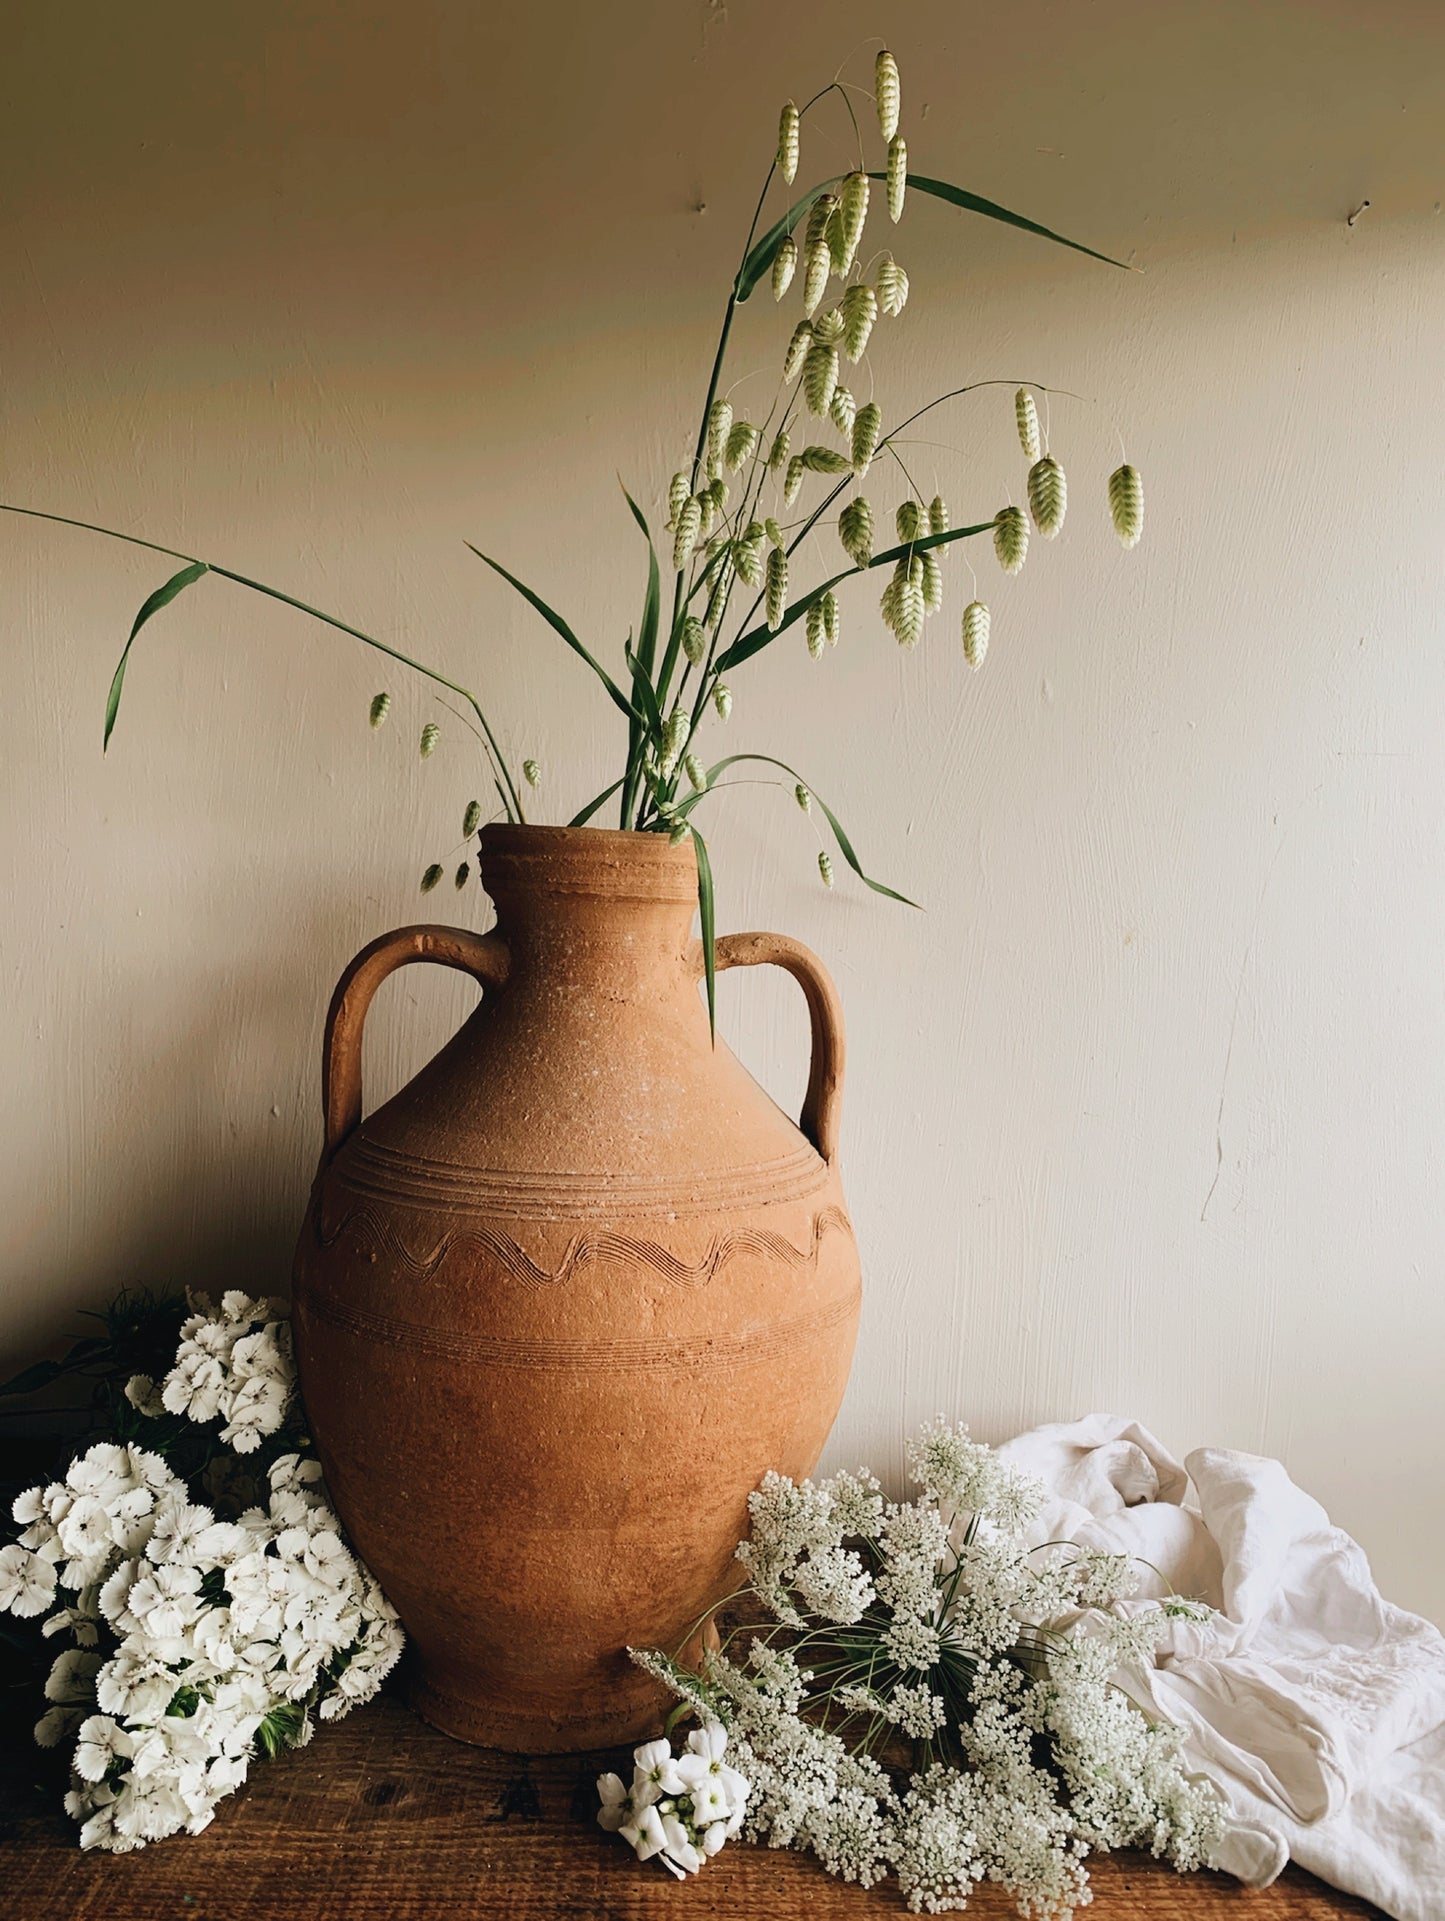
pixel 760 257
pixel 651 714
pixel 975 203
pixel 556 622
pixel 581 820
pixel 162 597
pixel 647 632
pixel 29 1379
pixel 707 914
pixel 845 846
pixel 753 642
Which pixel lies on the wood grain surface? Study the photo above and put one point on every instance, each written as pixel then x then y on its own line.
pixel 383 1819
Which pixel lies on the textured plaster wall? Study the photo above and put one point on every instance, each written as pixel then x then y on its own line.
pixel 1145 1111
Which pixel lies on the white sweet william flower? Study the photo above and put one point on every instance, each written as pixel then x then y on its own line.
pixel 643 1833
pixel 679 1857
pixel 102 1743
pixel 616 1802
pixel 703 1767
pixel 27 1581
pixel 655 1773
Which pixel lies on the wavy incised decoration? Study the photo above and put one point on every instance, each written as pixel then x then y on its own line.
pixel 372 1228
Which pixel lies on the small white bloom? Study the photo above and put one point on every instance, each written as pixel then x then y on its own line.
pixel 644 1834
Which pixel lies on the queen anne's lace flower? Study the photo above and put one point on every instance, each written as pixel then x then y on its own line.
pixel 930 1623
pixel 196 1641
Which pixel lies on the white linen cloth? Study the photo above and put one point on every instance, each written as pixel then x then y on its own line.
pixel 1315 1705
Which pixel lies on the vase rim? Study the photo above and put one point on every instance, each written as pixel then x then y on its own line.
pixel 604 861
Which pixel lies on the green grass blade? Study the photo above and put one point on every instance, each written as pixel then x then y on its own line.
pixel 647 632
pixel 650 717
pixel 760 257
pixel 707 915
pixel 757 638
pixel 555 621
pixel 581 820
pixel 845 846
pixel 162 597
pixel 975 203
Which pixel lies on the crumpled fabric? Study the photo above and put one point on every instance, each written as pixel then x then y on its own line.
pixel 1314 1704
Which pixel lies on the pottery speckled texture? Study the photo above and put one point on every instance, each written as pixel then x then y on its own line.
pixel 562 1302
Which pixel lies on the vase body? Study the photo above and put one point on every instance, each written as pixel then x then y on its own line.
pixel 563 1301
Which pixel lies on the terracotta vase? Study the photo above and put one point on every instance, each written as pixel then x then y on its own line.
pixel 562 1302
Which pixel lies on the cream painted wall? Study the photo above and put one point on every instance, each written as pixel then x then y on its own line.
pixel 1145 1111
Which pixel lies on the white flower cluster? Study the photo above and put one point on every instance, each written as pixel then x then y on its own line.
pixel 234 1364
pixel 678 1810
pixel 959 1720
pixel 195 1641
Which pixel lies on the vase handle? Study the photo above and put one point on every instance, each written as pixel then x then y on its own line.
pixel 823 1102
pixel 483 956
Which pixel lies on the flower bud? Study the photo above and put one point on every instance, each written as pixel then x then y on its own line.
pixel 1027 415
pixel 1126 504
pixel 820 377
pixel 719 425
pixel 855 530
pixel 471 819
pixel 892 285
pixel 776 589
pixel 785 265
pixel 694 640
pixel 532 773
pixel 797 352
pixel 813 622
pixel 1011 538
pixel 843 411
pixel 909 520
pixel 678 489
pixel 695 772
pixel 788 143
pixel 817 265
pixel 825 868
pixel 975 633
pixel 675 731
pixel 380 708
pixel 430 735
pixel 937 515
pixel 747 558
pixel 722 699
pixel 887 92
pixel 462 875
pixel 828 327
pixel 830 617
pixel 859 309
pixel 778 452
pixel 866 428
pixel 793 479
pixel 773 531
pixel 1048 495
pixel 431 876
pixel 852 214
pixel 678 834
pixel 825 460
pixel 932 582
pixel 689 527
pixel 804 798
pixel 897 176
pixel 741 444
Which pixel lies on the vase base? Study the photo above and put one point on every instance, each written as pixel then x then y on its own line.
pixel 631 1715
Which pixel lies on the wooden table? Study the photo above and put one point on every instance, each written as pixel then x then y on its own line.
pixel 383 1819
